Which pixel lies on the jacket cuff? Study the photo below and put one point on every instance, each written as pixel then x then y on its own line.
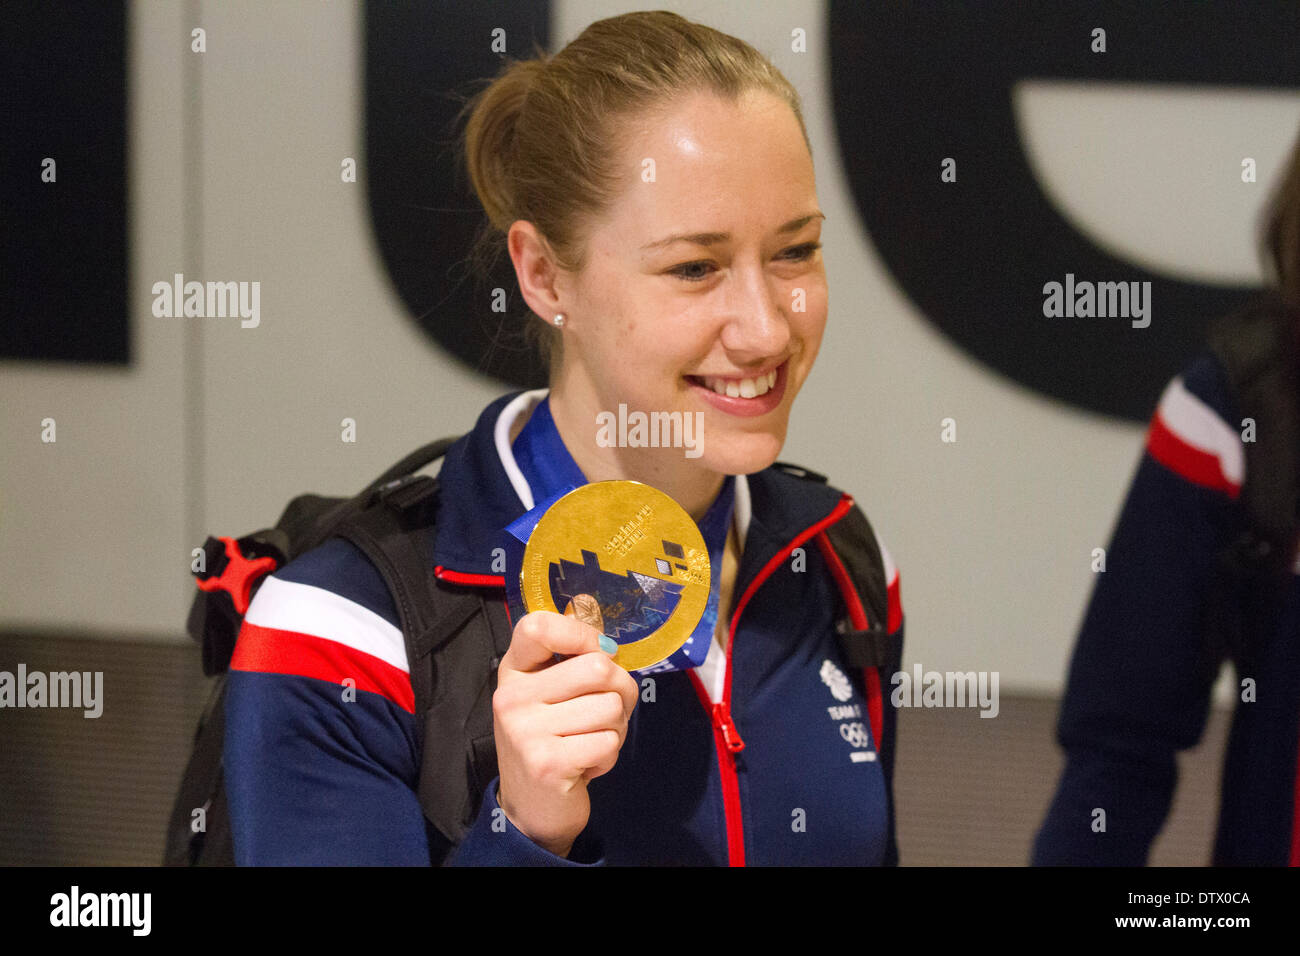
pixel 494 841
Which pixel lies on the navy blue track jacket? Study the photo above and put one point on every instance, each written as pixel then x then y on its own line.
pixel 768 754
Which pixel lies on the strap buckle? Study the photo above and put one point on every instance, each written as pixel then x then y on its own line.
pixel 240 572
pixel 869 648
pixel 404 493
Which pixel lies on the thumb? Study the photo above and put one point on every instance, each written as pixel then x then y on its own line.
pixel 586 609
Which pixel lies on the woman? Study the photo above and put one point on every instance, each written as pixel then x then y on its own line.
pixel 1178 596
pixel 654 186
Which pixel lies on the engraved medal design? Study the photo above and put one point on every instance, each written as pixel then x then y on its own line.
pixel 636 551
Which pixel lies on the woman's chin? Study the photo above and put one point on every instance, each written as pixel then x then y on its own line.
pixel 743 456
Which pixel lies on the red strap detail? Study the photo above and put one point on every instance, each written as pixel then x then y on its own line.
pixel 239 576
pixel 462 577
pixel 895 604
pixel 875 706
pixel 857 614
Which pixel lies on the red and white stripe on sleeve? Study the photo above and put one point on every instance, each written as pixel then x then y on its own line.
pixel 306 631
pixel 1190 439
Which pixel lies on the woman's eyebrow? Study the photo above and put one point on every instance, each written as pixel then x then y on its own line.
pixel 712 238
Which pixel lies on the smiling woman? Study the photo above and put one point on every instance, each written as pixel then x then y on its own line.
pixel 653 185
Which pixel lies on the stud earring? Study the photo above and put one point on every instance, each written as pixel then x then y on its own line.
pixel 559 319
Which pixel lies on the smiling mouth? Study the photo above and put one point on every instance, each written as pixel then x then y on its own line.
pixel 751 387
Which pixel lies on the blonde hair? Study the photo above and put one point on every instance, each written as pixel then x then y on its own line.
pixel 541 142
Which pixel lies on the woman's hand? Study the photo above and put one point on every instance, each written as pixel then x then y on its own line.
pixel 557 725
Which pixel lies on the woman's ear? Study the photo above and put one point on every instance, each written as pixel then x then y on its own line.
pixel 535 269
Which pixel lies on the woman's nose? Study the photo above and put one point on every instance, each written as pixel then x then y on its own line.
pixel 758 324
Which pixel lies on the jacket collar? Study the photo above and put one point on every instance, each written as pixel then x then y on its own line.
pixel 483 490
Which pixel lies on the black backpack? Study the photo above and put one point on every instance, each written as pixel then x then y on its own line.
pixel 1258 346
pixel 450 631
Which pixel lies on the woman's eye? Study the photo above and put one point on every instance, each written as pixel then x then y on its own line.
pixel 680 271
pixel 806 251
pixel 797 254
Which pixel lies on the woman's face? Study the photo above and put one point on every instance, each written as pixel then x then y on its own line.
pixel 662 326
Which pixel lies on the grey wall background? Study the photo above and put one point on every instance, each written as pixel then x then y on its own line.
pixel 234 175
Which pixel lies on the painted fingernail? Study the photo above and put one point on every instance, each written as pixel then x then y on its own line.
pixel 607 645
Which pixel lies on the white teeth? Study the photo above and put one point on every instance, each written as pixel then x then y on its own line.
pixel 742 388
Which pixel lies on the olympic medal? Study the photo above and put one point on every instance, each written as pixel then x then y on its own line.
pixel 632 548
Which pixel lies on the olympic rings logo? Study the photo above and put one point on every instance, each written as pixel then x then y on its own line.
pixel 855 733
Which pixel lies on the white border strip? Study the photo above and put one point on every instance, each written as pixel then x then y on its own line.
pixel 525 400
pixel 742 509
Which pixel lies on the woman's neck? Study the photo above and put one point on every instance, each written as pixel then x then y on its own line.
pixel 691 486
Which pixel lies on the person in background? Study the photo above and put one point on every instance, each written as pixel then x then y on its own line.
pixel 1189 583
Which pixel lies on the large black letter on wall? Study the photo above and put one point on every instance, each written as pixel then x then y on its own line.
pixel 424 212
pixel 63 258
pixel 914 83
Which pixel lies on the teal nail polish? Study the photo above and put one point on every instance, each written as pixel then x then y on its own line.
pixel 608 645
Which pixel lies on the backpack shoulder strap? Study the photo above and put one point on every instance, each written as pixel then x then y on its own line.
pixel 454 641
pixel 392 530
pixel 424 455
pixel 874 652
pixel 857 553
pixel 391 521
pixel 458 758
pixel 856 546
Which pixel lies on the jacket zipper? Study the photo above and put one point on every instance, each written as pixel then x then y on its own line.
pixel 726 736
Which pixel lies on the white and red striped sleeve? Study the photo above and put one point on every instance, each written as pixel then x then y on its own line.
pixel 1194 440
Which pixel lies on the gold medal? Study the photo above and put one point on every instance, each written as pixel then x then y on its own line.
pixel 636 551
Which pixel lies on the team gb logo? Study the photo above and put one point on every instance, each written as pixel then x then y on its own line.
pixel 834 678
